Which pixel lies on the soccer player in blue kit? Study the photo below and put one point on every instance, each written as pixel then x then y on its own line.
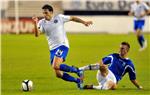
pixel 53 27
pixel 112 68
pixel 139 10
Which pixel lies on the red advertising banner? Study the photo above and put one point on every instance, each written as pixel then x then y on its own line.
pixel 25 25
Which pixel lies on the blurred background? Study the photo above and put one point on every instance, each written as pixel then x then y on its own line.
pixel 108 16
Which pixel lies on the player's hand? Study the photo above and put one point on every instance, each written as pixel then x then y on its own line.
pixel 88 23
pixel 35 19
pixel 143 14
pixel 131 13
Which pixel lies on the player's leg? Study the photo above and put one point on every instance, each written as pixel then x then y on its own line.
pixel 109 85
pixel 66 76
pixel 106 79
pixel 138 28
pixel 90 67
pixel 104 82
pixel 63 67
pixel 113 86
pixel 100 79
pixel 59 65
pixel 138 32
pixel 104 70
pixel 92 87
pixel 140 37
pixel 57 59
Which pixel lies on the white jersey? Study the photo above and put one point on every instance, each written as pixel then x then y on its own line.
pixel 54 30
pixel 139 9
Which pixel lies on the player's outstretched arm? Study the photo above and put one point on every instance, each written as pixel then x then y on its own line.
pixel 136 84
pixel 36 30
pixel 130 13
pixel 77 19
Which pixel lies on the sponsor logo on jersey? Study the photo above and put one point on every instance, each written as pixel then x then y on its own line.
pixel 55 21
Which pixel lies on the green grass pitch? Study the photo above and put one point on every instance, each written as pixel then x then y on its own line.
pixel 27 57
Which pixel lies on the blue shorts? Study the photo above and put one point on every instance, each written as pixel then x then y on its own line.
pixel 139 24
pixel 60 51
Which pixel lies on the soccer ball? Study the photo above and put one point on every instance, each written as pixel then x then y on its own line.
pixel 27 85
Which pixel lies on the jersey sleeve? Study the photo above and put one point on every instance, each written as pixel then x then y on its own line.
pixel 146 7
pixel 40 26
pixel 107 60
pixel 64 18
pixel 131 71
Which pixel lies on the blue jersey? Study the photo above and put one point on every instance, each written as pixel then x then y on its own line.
pixel 120 66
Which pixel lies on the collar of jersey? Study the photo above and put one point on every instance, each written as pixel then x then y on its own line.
pixel 49 20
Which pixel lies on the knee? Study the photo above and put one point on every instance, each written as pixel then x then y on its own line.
pixel 56 63
pixel 55 66
pixel 111 85
pixel 104 70
pixel 138 33
pixel 58 74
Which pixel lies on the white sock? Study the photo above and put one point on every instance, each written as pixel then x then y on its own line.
pixel 99 87
pixel 90 67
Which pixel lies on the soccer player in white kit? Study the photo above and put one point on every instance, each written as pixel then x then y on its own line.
pixel 139 10
pixel 53 27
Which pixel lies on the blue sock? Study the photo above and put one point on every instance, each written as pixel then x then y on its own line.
pixel 67 77
pixel 66 68
pixel 141 40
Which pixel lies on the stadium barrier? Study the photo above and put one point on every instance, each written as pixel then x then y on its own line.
pixel 25 26
pixel 101 24
pixel 107 24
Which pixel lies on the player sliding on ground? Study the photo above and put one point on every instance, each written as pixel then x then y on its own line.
pixel 112 68
pixel 139 10
pixel 53 27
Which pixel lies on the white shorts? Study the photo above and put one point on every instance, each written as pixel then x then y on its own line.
pixel 103 81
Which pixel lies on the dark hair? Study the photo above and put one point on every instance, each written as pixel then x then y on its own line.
pixel 49 7
pixel 126 43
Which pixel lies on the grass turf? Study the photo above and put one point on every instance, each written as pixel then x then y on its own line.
pixel 27 57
